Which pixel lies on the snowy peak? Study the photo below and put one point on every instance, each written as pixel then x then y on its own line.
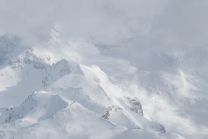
pixel 93 89
pixel 64 92
pixel 36 107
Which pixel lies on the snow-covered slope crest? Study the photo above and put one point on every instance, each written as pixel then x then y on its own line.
pixel 43 110
pixel 93 89
pixel 35 108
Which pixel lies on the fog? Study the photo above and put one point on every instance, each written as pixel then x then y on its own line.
pixel 107 21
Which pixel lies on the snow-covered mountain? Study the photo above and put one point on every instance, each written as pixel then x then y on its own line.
pixel 47 92
pixel 103 69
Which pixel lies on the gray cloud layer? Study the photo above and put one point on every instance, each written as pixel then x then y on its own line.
pixel 108 21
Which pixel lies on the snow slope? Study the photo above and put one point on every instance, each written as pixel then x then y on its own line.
pixel 46 93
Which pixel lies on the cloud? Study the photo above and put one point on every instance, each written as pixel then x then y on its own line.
pixel 107 21
pixel 183 22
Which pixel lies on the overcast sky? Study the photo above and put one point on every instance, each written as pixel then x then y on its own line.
pixel 108 21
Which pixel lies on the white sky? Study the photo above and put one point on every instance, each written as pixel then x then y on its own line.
pixel 108 21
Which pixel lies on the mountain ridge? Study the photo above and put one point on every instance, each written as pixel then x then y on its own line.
pixel 138 108
pixel 89 87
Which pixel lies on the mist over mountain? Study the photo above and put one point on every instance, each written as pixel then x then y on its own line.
pixel 103 69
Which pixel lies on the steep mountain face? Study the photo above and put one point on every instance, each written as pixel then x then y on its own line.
pixel 171 84
pixel 48 92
